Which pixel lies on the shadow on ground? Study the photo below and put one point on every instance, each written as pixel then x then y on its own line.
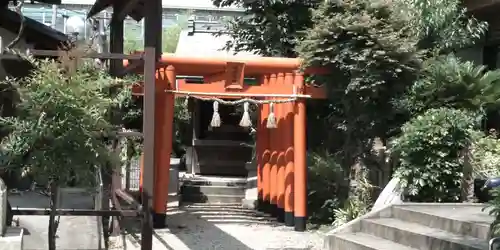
pixel 200 227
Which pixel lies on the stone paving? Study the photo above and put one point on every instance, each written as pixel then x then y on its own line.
pixel 205 227
pixel 196 227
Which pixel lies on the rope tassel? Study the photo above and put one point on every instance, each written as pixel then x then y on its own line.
pixel 245 119
pixel 271 119
pixel 215 123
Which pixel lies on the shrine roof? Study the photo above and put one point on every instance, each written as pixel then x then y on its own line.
pixel 41 35
pixel 206 45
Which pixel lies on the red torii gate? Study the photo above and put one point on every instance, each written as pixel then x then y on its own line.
pixel 281 142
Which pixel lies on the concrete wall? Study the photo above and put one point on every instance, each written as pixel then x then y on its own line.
pixel 5 38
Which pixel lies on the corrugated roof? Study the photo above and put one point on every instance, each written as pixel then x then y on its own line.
pixel 137 6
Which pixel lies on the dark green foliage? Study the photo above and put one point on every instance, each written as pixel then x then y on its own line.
pixel 375 53
pixel 441 26
pixel 182 128
pixel 429 150
pixel 494 210
pixel 372 58
pixel 447 81
pixel 59 124
pixel 271 28
pixel 326 181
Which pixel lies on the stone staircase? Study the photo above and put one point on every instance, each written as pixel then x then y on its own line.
pixel 415 226
pixel 214 190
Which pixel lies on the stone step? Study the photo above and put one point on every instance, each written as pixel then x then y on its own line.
pixel 217 199
pixel 471 222
pixel 419 236
pixel 212 190
pixel 363 241
pixel 215 181
pixel 229 210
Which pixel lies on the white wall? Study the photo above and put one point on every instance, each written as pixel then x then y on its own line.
pixel 7 37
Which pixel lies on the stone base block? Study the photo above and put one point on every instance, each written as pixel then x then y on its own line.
pixel 12 239
pixel 249 203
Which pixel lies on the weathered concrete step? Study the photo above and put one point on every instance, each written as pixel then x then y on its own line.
pixel 363 241
pixel 216 181
pixel 455 222
pixel 218 199
pixel 420 236
pixel 212 190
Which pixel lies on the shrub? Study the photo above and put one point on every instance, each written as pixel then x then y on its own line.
pixel 326 180
pixel 359 201
pixel 430 149
pixel 450 82
pixel 494 206
pixel 485 156
pixel 59 124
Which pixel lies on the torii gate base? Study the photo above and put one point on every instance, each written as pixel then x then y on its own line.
pixel 281 151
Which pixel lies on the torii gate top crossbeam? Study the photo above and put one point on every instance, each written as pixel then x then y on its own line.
pixel 198 66
pixel 224 77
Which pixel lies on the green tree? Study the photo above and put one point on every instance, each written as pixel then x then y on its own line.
pixel 57 132
pixel 372 59
pixel 271 28
pixel 374 51
pixel 441 25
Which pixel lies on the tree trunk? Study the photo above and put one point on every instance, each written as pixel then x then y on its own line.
pixel 467 183
pixel 52 217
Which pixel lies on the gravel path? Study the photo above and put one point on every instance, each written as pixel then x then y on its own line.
pixel 200 227
pixel 73 232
